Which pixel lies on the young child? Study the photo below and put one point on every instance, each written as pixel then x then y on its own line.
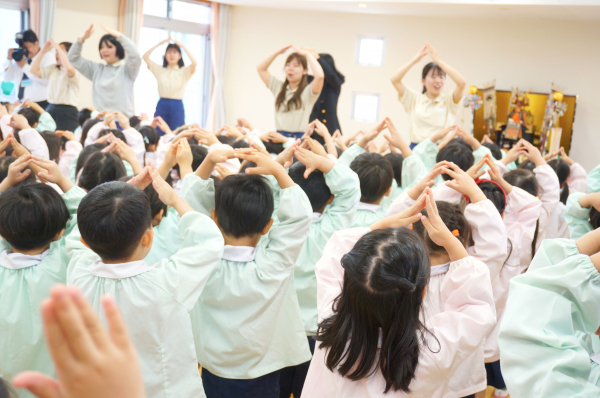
pixel 325 182
pixel 34 221
pixel 247 323
pixel 551 315
pixel 374 280
pixel 107 252
pixel 581 213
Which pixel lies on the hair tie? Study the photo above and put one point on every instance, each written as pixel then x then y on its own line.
pixel 407 285
pixel 146 140
pixel 455 232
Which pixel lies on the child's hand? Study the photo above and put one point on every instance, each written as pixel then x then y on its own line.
pixel 17 172
pixel 439 233
pixel 393 138
pixel 229 131
pixel 167 195
pixel 222 171
pixel 265 165
pixel 184 155
pixel 3 145
pixel 109 120
pixel 126 153
pixel 564 157
pixel 143 179
pixel 222 155
pixel 443 133
pixel 52 173
pixel 313 162
pixel 405 218
pixel 486 139
pixel 206 137
pixel 372 134
pixel 497 177
pixel 259 148
pixel 532 153
pixel 513 153
pixel 320 128
pixel 316 147
pixel 474 172
pixel 18 149
pixel 337 137
pixel 66 134
pixel 123 120
pixel 426 182
pixel 285 157
pixel 278 138
pixel 19 122
pixel 447 139
pixel 463 183
pixel 469 139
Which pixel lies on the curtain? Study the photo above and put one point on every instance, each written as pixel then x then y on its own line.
pixel 34 16
pixel 219 31
pixel 46 26
pixel 131 15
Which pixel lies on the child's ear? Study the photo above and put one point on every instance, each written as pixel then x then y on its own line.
pixel 267 227
pixel 330 200
pixel 82 241
pixel 213 215
pixel 388 192
pixel 34 125
pixel 59 235
pixel 147 238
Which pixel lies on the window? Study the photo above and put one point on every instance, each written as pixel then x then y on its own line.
pixel 189 23
pixel 14 19
pixel 370 51
pixel 365 107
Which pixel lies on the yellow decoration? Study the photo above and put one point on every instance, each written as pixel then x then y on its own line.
pixel 558 96
pixel 473 90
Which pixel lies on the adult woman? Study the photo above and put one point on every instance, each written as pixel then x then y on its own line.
pixel 112 88
pixel 171 77
pixel 63 86
pixel 295 97
pixel 431 110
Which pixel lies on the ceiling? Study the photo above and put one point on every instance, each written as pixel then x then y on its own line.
pixel 497 9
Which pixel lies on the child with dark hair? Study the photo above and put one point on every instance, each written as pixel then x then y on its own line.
pixel 582 213
pixel 54 144
pixel 131 136
pixel 107 256
pixel 5 163
pixel 325 182
pixel 5 390
pixel 99 168
pixel 249 307
pixel 34 221
pixel 151 139
pixel 376 337
pixel 30 138
pixel 37 116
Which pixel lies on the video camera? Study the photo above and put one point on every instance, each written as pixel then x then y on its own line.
pixel 20 52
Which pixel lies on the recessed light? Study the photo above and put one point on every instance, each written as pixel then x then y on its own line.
pixel 362 5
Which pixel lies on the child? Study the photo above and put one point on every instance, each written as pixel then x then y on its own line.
pixel 34 221
pixel 247 323
pixel 107 253
pixel 374 281
pixel 328 183
pixel 545 345
pixel 581 213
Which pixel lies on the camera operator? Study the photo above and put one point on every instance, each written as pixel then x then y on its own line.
pixel 31 86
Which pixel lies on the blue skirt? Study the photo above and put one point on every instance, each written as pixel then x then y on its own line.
pixel 172 112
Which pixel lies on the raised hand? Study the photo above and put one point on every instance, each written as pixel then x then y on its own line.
pixel 19 122
pixel 285 157
pixel 123 120
pixel 474 172
pixel 405 218
pixel 564 157
pixel 370 136
pixel 469 139
pixel 222 171
pixel 278 138
pixel 313 161
pixel 496 176
pixel 428 181
pixel 463 183
pixel 110 31
pixel 284 49
pixel 47 47
pixel 143 179
pixel 52 173
pixel 66 134
pixel 184 157
pixel 422 52
pixel 87 34
pixel 316 147
pixel 532 153
pixel 266 165
pixel 17 172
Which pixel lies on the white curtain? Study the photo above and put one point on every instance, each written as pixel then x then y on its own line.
pixel 220 41
pixel 47 8
pixel 131 18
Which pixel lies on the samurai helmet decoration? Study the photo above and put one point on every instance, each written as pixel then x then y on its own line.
pixel 520 99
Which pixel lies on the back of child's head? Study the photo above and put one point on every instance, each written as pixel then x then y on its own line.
pixel 457 153
pixel 224 139
pixel 6 161
pixel 527 165
pixel 239 144
pixel 117 133
pixel 83 116
pixel 273 147
pixel 198 155
pixel 563 171
pixel 31 215
pixel 85 129
pixel 375 174
pixel 243 204
pixel 385 276
pixel 54 144
pixel 594 218
pixel 151 137
pixel 112 219
pixel 5 390
pixel 99 168
pixel 156 205
pixel 86 153
pixel 452 215
pixel 494 149
pixel 135 121
pixel 396 160
pixel 494 193
pixel 32 116
pixel 524 179
pixel 314 186
pixel 246 165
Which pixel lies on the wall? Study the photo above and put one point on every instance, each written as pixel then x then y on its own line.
pixel 524 53
pixel 72 18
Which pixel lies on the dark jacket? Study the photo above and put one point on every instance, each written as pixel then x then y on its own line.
pixel 325 108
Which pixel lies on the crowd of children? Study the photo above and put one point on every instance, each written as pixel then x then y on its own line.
pixel 240 263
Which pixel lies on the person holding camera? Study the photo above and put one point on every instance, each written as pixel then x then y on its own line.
pixel 31 86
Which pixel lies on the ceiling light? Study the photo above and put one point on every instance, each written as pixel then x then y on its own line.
pixel 362 5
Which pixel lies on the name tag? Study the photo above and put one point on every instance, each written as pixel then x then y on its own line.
pixel 25 83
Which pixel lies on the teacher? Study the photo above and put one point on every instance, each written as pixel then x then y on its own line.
pixel 431 110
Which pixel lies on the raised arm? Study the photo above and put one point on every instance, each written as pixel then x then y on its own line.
pixel 35 65
pixel 192 59
pixel 263 67
pixel 315 66
pixel 84 66
pixel 400 73
pixel 453 73
pixel 146 56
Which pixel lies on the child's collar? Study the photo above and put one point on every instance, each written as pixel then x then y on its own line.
pixel 121 270
pixel 241 254
pixel 11 260
pixel 317 217
pixel 368 206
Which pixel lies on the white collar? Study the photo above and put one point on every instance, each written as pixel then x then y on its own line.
pixel 120 271
pixel 11 260
pixel 368 206
pixel 120 62
pixel 317 217
pixel 241 254
pixel 439 269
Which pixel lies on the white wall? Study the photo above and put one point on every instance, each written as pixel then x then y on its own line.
pixel 72 18
pixel 523 53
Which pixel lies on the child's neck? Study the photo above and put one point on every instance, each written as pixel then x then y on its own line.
pixel 138 254
pixel 250 241
pixel 32 252
pixel 375 202
pixel 439 258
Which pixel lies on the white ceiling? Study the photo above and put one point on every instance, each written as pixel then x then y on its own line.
pixel 515 9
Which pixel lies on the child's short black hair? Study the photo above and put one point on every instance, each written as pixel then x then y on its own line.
pixel 527 165
pixel 494 149
pixel 314 186
pixel 117 133
pixel 459 154
pixel 375 174
pixel 32 116
pixel 240 144
pixel 112 219
pixel 199 154
pixel 135 121
pixel 54 144
pixel 83 116
pixel 224 139
pixel 245 166
pixel 396 160
pixel 243 204
pixel 85 128
pixel 31 215
pixel 5 390
pixel 99 168
pixel 274 147
pixel 156 205
pixel 7 161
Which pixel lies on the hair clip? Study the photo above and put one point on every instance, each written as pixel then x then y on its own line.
pixel 146 140
pixel 411 227
pixel 455 232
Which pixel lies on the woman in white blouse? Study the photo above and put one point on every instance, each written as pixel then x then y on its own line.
pixel 172 78
pixel 431 110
